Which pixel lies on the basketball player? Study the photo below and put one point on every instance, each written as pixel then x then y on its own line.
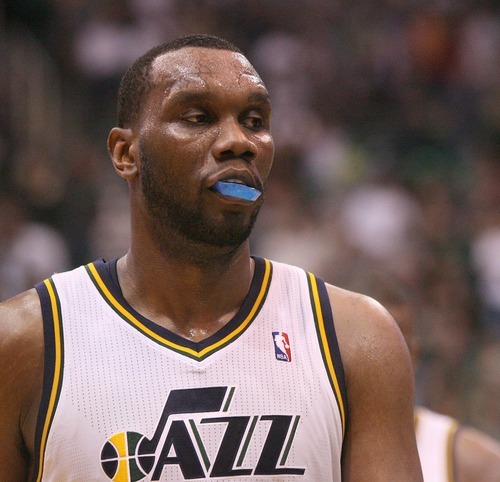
pixel 187 358
pixel 448 450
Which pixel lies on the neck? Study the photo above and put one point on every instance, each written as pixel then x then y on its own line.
pixel 191 295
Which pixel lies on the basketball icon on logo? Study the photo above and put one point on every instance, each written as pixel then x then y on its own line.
pixel 120 458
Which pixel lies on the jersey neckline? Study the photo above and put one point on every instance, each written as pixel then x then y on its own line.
pixel 104 276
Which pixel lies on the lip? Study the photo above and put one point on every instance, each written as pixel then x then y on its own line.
pixel 231 175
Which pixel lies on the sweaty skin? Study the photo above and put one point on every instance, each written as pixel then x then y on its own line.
pixel 207 119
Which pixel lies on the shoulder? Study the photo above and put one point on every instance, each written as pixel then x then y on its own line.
pixel 21 320
pixel 21 332
pixel 21 353
pixel 477 455
pixel 21 376
pixel 366 332
pixel 380 440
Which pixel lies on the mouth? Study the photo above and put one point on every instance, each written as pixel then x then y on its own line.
pixel 237 189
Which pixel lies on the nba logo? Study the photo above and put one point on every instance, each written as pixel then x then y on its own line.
pixel 282 346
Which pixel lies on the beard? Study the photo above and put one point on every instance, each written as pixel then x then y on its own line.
pixel 172 208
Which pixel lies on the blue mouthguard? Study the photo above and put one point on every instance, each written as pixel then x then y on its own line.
pixel 236 190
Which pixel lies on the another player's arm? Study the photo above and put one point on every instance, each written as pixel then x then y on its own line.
pixel 380 443
pixel 21 372
pixel 477 456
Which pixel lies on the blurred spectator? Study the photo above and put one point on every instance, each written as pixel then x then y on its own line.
pixel 29 251
pixel 486 263
pixel 110 37
pixel 385 223
pixel 484 239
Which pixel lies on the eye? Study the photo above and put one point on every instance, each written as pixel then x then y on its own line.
pixel 253 121
pixel 196 117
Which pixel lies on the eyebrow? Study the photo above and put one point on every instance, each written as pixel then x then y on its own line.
pixel 259 98
pixel 186 97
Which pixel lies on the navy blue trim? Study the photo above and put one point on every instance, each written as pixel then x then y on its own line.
pixel 108 273
pixel 333 343
pixel 48 371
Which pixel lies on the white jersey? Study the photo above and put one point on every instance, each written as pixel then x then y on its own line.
pixel 435 440
pixel 125 399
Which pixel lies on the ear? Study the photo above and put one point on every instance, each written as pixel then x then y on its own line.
pixel 123 152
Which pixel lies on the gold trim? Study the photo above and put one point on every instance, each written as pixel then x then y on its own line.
pixel 326 347
pixel 197 354
pixel 57 375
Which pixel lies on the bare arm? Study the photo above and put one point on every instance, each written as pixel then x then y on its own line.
pixel 21 371
pixel 477 456
pixel 380 443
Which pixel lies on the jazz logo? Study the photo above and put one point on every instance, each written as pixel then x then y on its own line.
pixel 250 446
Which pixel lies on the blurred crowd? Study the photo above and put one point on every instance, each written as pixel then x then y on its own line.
pixel 385 118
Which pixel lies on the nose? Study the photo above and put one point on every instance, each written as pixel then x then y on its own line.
pixel 233 142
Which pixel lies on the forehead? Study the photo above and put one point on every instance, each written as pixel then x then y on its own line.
pixel 199 68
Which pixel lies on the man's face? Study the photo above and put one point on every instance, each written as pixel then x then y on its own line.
pixel 207 119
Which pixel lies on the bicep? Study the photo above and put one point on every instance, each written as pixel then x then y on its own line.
pixel 21 365
pixel 13 459
pixel 380 439
pixel 13 464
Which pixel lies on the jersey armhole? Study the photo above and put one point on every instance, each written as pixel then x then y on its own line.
pixel 328 341
pixel 52 371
